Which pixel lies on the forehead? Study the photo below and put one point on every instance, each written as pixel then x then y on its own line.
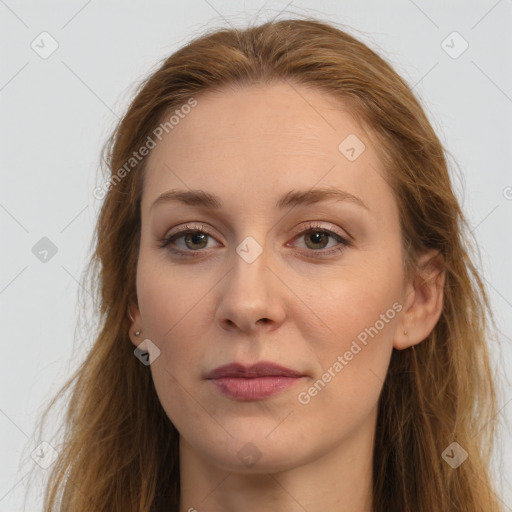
pixel 280 114
pixel 256 140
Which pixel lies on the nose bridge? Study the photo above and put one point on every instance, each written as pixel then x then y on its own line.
pixel 250 292
pixel 250 262
pixel 252 251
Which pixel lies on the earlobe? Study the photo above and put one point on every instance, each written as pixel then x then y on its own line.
pixel 135 329
pixel 423 302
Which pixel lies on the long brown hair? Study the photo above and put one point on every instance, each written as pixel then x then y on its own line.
pixel 120 450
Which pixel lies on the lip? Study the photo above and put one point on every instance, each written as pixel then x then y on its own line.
pixel 256 382
pixel 260 369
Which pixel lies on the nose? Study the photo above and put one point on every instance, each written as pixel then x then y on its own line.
pixel 251 298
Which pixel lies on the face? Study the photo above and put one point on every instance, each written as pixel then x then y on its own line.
pixel 274 272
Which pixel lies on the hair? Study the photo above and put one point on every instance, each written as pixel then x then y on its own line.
pixel 120 450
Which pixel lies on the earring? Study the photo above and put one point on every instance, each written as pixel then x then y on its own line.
pixel 137 333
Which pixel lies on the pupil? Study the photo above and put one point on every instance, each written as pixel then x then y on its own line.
pixel 195 236
pixel 316 237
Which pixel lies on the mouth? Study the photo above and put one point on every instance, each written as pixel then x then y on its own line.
pixel 257 382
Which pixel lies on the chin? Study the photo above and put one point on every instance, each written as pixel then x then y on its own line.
pixel 247 453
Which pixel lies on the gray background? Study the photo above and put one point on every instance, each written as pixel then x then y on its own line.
pixel 57 111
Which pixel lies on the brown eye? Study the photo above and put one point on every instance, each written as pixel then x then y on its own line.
pixel 193 240
pixel 316 241
pixel 319 239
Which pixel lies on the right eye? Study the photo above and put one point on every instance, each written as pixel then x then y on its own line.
pixel 195 238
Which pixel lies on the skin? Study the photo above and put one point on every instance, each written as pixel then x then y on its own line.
pixel 249 146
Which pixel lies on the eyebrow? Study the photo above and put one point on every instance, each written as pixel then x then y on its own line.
pixel 290 199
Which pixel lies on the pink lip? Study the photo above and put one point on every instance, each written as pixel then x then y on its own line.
pixel 256 382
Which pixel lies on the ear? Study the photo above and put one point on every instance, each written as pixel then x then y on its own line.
pixel 423 301
pixel 135 320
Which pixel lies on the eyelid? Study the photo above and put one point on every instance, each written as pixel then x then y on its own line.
pixel 179 232
pixel 313 225
pixel 189 226
pixel 343 241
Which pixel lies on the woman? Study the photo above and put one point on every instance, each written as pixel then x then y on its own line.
pixel 290 318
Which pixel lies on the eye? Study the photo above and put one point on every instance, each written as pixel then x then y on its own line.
pixel 317 238
pixel 195 238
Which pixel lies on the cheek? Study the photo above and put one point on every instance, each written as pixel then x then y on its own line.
pixel 170 322
pixel 352 360
pixel 356 297
pixel 167 297
pixel 358 313
pixel 172 307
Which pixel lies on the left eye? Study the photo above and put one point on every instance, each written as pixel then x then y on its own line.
pixel 319 238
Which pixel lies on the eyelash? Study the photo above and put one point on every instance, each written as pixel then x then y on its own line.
pixel 165 243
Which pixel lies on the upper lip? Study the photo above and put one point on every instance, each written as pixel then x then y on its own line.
pixel 260 369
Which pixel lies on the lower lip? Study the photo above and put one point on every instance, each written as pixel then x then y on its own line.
pixel 257 388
